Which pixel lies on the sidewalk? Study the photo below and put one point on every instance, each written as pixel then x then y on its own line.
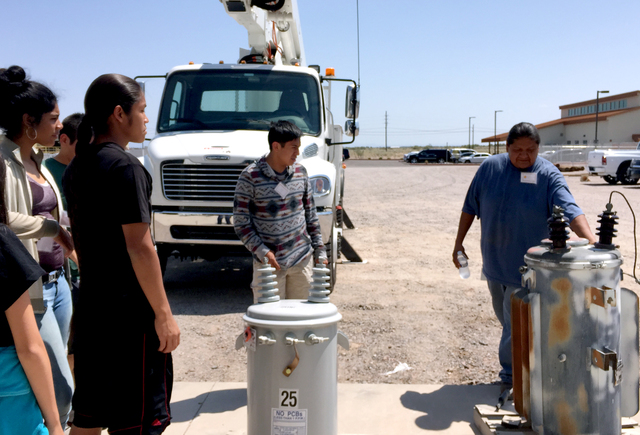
pixel 210 408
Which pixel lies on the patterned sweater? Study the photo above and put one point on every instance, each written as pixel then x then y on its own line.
pixel 265 221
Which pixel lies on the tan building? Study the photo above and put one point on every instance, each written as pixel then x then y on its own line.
pixel 618 123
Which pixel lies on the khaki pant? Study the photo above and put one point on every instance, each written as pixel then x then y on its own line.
pixel 293 283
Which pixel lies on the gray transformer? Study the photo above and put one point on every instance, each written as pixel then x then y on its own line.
pixel 575 341
pixel 292 385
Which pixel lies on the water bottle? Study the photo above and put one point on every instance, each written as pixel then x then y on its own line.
pixel 464 266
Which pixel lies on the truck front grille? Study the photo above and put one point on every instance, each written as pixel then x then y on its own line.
pixel 200 182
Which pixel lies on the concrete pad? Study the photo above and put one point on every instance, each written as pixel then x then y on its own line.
pixel 369 409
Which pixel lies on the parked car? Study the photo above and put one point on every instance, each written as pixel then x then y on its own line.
pixel 432 156
pixel 547 155
pixel 475 158
pixel 461 152
pixel 633 173
pixel 613 165
pixel 407 157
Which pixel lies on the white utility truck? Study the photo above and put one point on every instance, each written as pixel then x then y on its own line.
pixel 613 165
pixel 213 122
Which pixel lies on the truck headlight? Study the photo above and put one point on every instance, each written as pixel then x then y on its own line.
pixel 310 151
pixel 320 185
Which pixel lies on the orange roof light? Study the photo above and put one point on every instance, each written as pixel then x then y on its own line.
pixel 191 63
pixel 330 72
pixel 221 62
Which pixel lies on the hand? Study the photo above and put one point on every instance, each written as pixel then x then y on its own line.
pixel 168 333
pixel 54 428
pixel 456 249
pixel 64 239
pixel 272 260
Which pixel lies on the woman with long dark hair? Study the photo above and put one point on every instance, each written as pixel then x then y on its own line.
pixel 26 383
pixel 29 115
pixel 124 330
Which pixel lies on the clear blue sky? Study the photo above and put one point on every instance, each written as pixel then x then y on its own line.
pixel 429 64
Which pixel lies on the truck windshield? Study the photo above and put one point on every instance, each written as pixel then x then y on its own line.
pixel 210 99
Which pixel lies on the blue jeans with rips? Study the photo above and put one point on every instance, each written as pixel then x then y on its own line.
pixel 54 329
pixel 501 299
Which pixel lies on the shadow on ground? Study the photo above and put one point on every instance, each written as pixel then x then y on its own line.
pixel 213 402
pixel 209 287
pixel 449 404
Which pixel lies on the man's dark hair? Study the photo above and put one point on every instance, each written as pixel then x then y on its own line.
pixel 523 129
pixel 70 126
pixel 105 93
pixel 282 132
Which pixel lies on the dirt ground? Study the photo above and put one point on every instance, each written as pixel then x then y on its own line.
pixel 407 304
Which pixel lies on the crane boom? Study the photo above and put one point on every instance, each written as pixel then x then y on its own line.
pixel 273 28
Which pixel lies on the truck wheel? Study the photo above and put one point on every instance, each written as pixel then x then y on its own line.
pixel 414 160
pixel 609 179
pixel 623 174
pixel 440 160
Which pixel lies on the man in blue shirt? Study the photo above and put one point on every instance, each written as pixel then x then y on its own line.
pixel 513 195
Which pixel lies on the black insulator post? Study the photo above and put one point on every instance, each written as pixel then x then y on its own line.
pixel 558 228
pixel 606 230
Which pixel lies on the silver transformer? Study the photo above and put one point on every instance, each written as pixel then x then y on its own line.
pixel 575 340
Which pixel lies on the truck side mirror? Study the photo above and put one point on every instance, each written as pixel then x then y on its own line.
pixel 352 102
pixel 351 128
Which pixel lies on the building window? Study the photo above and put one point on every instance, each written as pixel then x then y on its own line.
pixel 568 142
pixel 577 142
pixel 584 142
pixel 623 104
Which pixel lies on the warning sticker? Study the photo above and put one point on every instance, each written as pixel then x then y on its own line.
pixel 288 421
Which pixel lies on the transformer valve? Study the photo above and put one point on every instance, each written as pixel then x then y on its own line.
pixel 312 338
pixel 268 338
pixel 290 339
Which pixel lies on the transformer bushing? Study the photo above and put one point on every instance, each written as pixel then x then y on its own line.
pixel 558 228
pixel 319 291
pixel 575 340
pixel 267 290
pixel 606 230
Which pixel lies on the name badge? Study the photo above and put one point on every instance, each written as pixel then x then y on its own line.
pixel 282 190
pixel 529 177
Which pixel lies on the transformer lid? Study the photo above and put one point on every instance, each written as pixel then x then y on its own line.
pixel 297 311
pixel 579 255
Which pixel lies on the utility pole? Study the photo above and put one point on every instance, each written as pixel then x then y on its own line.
pixel 473 134
pixel 497 148
pixel 471 117
pixel 385 130
pixel 597 110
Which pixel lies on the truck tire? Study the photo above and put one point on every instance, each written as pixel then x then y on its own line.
pixel 440 160
pixel 414 160
pixel 623 174
pixel 611 180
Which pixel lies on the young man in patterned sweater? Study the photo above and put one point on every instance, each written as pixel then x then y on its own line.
pixel 275 216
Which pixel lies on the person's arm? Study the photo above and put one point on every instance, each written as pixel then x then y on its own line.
pixel 466 220
pixel 580 226
pixel 243 224
pixel 146 266
pixel 313 225
pixel 34 360
pixel 37 227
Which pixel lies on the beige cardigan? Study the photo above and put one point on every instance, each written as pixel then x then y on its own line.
pixel 19 203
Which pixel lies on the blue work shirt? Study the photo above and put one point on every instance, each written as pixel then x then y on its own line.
pixel 513 214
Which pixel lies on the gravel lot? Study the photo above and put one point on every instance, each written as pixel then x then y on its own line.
pixel 406 304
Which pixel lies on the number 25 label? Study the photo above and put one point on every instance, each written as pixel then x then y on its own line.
pixel 288 398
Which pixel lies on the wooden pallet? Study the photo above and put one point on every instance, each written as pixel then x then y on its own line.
pixel 489 422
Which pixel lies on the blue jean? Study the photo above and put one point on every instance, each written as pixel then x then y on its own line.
pixel 54 329
pixel 501 299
